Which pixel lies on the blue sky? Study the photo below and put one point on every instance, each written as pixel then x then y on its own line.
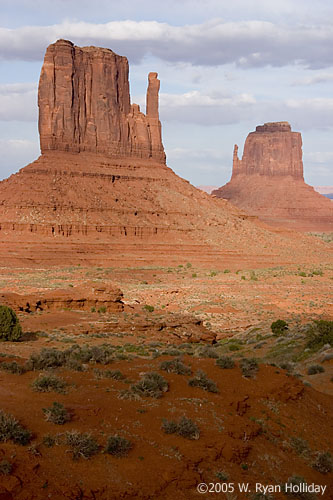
pixel 224 67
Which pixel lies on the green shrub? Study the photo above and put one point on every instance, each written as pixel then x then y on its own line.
pixel 5 468
pixel 323 462
pixel 115 374
pixel 175 366
pixel 81 444
pixel 57 414
pixel 314 369
pixel 279 326
pixel 200 380
pixel 10 328
pixel 302 273
pixel 225 362
pixel 49 441
pixel 300 445
pixel 118 446
pixel 320 333
pixel 298 481
pixel 148 308
pixel 152 384
pixel 48 383
pixel 12 430
pixel 185 427
pixel 206 351
pixel 102 310
pixel 249 367
pixel 13 367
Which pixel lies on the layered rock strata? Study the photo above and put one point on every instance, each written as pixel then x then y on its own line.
pixel 84 105
pixel 109 298
pixel 268 181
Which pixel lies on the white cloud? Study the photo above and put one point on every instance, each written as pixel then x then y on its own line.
pixel 18 102
pixel 246 43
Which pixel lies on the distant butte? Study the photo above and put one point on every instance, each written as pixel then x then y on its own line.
pixel 268 181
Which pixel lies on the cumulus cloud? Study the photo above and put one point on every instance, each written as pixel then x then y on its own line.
pixel 18 102
pixel 215 42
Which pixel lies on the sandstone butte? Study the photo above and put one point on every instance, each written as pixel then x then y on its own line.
pixel 101 192
pixel 268 181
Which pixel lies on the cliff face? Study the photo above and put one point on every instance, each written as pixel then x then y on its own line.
pixel 272 150
pixel 268 181
pixel 84 105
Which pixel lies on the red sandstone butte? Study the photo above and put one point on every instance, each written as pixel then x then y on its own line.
pixel 84 105
pixel 268 181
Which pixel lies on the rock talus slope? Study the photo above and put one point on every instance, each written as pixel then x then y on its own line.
pixel 268 181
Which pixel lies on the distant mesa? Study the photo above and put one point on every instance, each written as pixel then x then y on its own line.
pixel 84 105
pixel 268 181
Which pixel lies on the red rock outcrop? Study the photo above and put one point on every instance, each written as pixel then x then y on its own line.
pixel 82 298
pixel 84 105
pixel 268 181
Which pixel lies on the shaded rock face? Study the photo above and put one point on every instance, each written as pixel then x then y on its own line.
pixel 84 105
pixel 272 150
pixel 268 181
pixel 107 297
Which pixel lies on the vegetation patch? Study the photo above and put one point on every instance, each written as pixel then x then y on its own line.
pixel 82 445
pixel 175 366
pixel 314 369
pixel 118 446
pixel 185 427
pixel 13 367
pixel 10 328
pixel 319 333
pixel 48 383
pixel 12 430
pixel 152 384
pixel 249 367
pixel 57 414
pixel 225 362
pixel 200 380
pixel 323 462
pixel 279 327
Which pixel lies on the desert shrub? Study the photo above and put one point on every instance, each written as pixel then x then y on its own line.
pixel 225 362
pixel 49 441
pixel 12 430
pixel 115 374
pixel 323 462
pixel 10 328
pixel 129 394
pixel 249 367
pixel 81 444
pixel 102 310
pixel 152 384
pixel 13 367
pixel 47 358
pixel 314 369
pixel 118 446
pixel 206 351
pixel 200 380
pixel 300 445
pixel 185 427
pixel 148 308
pixel 279 326
pixel 175 366
pixel 57 414
pixel 319 333
pixel 5 468
pixel 298 481
pixel 48 383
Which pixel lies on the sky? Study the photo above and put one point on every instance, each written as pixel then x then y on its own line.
pixel 225 67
